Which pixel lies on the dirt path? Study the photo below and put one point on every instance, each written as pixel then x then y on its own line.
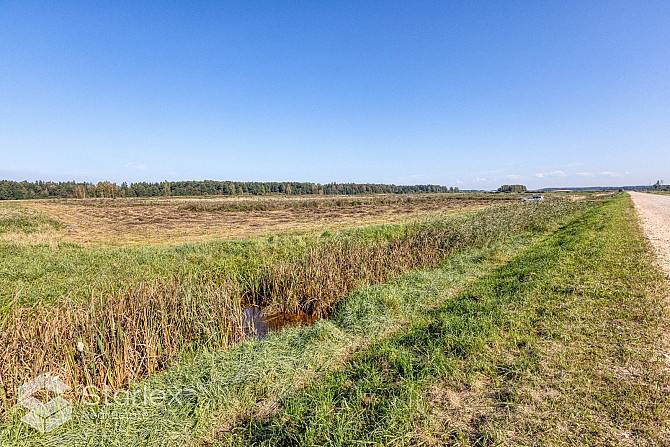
pixel 654 210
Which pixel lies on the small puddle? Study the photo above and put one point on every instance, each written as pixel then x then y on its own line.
pixel 257 323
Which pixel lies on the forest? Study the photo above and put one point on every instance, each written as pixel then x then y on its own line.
pixel 12 190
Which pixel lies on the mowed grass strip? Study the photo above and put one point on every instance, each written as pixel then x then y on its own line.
pixel 561 346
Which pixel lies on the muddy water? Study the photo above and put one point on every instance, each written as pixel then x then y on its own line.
pixel 256 322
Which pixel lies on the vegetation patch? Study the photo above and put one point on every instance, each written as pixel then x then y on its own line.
pixel 271 204
pixel 177 220
pixel 132 332
pixel 16 219
pixel 223 388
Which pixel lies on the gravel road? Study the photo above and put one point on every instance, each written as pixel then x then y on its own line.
pixel 654 210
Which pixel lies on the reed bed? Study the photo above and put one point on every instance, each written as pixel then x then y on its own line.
pixel 117 338
pixel 315 281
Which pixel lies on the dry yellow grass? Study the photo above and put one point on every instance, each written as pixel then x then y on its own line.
pixel 165 221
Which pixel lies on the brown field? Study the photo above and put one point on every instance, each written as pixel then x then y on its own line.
pixel 168 221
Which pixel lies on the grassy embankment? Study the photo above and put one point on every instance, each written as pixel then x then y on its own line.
pixel 39 267
pixel 563 345
pixel 229 385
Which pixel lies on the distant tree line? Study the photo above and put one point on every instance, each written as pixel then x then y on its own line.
pixel 656 186
pixel 38 190
pixel 512 188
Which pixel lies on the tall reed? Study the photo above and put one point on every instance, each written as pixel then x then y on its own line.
pixel 118 338
pixel 316 280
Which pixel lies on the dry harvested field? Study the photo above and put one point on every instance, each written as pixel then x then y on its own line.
pixel 180 220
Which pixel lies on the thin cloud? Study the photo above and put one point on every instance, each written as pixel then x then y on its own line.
pixel 599 174
pixel 551 174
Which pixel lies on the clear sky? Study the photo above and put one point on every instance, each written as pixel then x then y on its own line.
pixel 468 94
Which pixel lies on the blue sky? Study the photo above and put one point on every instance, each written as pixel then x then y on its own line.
pixel 469 94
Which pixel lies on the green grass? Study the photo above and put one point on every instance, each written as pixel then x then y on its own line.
pixel 561 346
pixel 45 273
pixel 15 218
pixel 41 274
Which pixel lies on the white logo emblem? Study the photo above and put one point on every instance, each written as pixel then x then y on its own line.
pixel 45 416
